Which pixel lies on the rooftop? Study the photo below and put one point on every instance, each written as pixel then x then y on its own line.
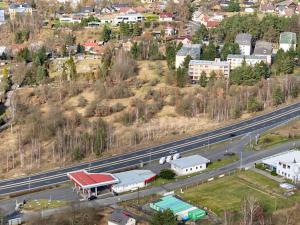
pixel 207 62
pixel 17 6
pixel 231 56
pixel 243 39
pixel 288 38
pixel 88 180
pixel 190 49
pixel 263 48
pixel 119 216
pixel 189 161
pixel 133 176
pixel 289 157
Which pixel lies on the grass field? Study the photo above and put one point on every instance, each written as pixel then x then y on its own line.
pixel 228 192
pixel 3 5
pixel 35 205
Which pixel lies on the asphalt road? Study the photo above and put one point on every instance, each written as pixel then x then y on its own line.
pixel 145 155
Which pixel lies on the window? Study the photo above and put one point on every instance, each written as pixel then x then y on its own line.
pixel 196 167
pixel 186 170
pixel 191 169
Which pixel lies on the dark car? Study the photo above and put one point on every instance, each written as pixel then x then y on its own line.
pixel 91 198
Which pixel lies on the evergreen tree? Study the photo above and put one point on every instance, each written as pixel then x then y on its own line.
pixel 203 79
pixel 135 50
pixel 181 76
pixel 164 218
pixel 278 96
pixel 229 48
pixel 210 52
pixel 171 50
pixel 106 34
pixel 72 69
pixel 41 74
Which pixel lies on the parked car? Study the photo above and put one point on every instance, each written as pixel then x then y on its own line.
pixel 176 156
pixel 92 197
pixel 162 160
pixel 169 158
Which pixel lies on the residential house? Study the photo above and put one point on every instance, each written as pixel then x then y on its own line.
pixel 2 17
pixel 107 10
pixel 244 40
pixel 193 50
pixel 88 46
pixel 263 48
pixel 166 17
pixel 224 3
pixel 287 41
pixel 197 67
pixel 267 7
pixel 188 165
pixel 286 8
pixel 286 164
pixel 147 1
pixel 186 40
pixel 129 18
pixel 19 9
pixel 197 16
pixel 120 217
pixel 170 30
pixel 73 18
pixel 237 60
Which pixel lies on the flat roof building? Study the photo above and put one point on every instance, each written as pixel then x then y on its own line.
pixel 285 164
pixel 121 217
pixel 244 40
pixel 129 18
pixel 193 50
pixel 287 41
pixel 197 67
pixel 237 60
pixel 188 165
pixel 132 180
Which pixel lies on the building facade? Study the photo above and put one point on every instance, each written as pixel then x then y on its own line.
pixel 189 165
pixel 19 9
pixel 130 18
pixel 264 48
pixel 197 67
pixel 237 60
pixel 244 41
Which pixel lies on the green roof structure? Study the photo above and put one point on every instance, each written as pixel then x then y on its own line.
pixel 288 38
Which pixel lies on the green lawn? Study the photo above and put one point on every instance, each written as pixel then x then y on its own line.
pixel 35 205
pixel 3 5
pixel 228 192
pixel 223 162
pixel 151 17
pixel 270 139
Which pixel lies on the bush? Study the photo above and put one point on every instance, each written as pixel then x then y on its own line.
pixel 167 174
pixel 273 173
pixel 118 107
pixel 119 91
pixel 82 102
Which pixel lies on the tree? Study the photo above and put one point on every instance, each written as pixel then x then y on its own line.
pixel 233 6
pixel 137 30
pixel 171 50
pixel 106 34
pixel 261 70
pixel 41 74
pixel 72 69
pixel 203 79
pixel 229 48
pixel 24 55
pixel 164 218
pixel 181 76
pixel 80 49
pixel 278 96
pixel 210 52
pixel 167 174
pixel 135 50
pixel 254 105
pixel 200 35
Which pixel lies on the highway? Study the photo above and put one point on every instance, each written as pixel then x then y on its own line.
pixel 49 178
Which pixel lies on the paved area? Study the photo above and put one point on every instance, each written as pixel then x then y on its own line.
pixel 266 174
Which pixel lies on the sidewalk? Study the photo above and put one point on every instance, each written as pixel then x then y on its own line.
pixel 266 174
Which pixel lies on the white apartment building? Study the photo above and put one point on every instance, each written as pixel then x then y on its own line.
pixel 244 41
pixel 188 165
pixel 237 60
pixel 197 67
pixel 285 164
pixel 287 41
pixel 129 18
pixel 193 50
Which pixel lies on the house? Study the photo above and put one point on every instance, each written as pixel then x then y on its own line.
pixel 237 60
pixel 166 17
pixel 70 18
pixel 197 16
pixel 120 217
pixel 189 164
pixel 132 180
pixel 19 9
pixel 285 164
pixel 244 40
pixel 224 3
pixel 193 50
pixel 267 7
pixel 286 8
pixel 170 30
pixel 198 67
pixel 287 41
pixel 2 17
pixel 89 45
pixel 263 48
pixel 186 40
pixel 129 18
pixel 107 10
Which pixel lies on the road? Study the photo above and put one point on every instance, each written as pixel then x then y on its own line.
pixel 242 128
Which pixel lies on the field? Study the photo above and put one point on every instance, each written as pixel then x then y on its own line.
pixel 3 5
pixel 215 197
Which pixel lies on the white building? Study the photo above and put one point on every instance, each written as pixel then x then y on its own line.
pixel 287 41
pixel 188 165
pixel 198 67
pixel 237 60
pixel 285 164
pixel 129 18
pixel 244 41
pixel 120 217
pixel 132 180
pixel 264 48
pixel 193 50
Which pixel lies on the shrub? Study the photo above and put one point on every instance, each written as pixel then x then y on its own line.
pixel 167 174
pixel 118 107
pixel 273 173
pixel 82 102
pixel 119 91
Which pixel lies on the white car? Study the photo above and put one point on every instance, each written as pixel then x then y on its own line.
pixel 176 156
pixel 169 158
pixel 162 160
